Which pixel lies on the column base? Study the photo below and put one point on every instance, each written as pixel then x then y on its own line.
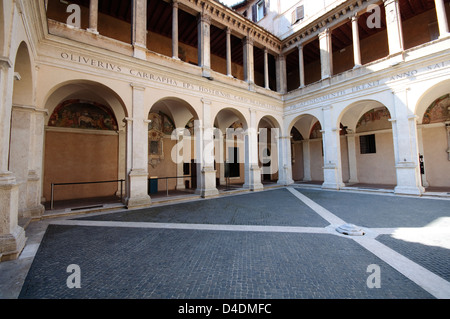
pixel 254 180
pixel 136 202
pixel 209 183
pixel 331 178
pixel 408 179
pixel 409 190
pixel 11 245
pixel 140 51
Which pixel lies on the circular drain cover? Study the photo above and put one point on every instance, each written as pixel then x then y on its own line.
pixel 350 230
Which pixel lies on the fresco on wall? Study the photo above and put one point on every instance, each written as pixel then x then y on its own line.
pixel 375 119
pixel 160 122
pixel 81 114
pixel 316 131
pixel 438 111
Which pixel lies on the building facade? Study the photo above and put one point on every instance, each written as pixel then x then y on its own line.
pixel 346 93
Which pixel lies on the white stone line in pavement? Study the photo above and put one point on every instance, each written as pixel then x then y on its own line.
pixel 324 213
pixel 427 280
pixel 432 283
pixel 247 228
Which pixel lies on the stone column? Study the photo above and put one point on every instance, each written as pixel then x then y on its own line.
pixel 352 163
pixel 249 65
pixel 332 171
pixel 394 26
pixel 281 74
pixel 204 43
pixel 208 173
pixel 404 133
pixel 93 16
pixel 139 29
pixel 266 69
pixel 229 72
pixel 301 65
pixel 12 236
pixel 175 29
pixel 137 152
pixel 442 18
pixel 306 161
pixel 326 51
pixel 284 160
pixel 252 169
pixel 356 43
pixel 421 152
pixel 27 130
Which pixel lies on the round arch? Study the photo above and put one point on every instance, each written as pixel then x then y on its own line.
pixel 23 92
pixel 367 144
pixel 433 130
pixel 89 149
pixel 352 113
pixel 428 96
pixel 307 151
pixel 92 90
pixel 304 123
pixel 171 154
pixel 268 134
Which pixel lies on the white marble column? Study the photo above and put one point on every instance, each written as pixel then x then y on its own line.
pixel 175 29
pixel 284 160
pixel 352 163
pixel 204 44
pixel 404 133
pixel 137 152
pixel 93 16
pixel 306 160
pixel 332 169
pixel 266 69
pixel 281 74
pixel 139 29
pixel 12 236
pixel 394 26
pixel 442 18
pixel 249 65
pixel 228 43
pixel 301 65
pixel 356 42
pixel 252 169
pixel 326 53
pixel 207 186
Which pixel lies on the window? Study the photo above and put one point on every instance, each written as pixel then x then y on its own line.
pixel 367 144
pixel 298 14
pixel 259 11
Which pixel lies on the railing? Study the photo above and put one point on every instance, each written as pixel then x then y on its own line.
pixel 167 181
pixel 83 183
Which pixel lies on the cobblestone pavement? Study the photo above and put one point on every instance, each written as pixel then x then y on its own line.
pixel 274 244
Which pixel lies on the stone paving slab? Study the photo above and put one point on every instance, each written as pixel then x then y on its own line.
pixel 375 210
pixel 273 207
pixel 164 263
pixel 434 258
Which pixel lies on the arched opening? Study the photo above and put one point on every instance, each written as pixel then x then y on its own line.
pixel 230 149
pixel 307 150
pixel 434 144
pixel 23 136
pixel 171 154
pixel 85 147
pixel 268 133
pixel 367 150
